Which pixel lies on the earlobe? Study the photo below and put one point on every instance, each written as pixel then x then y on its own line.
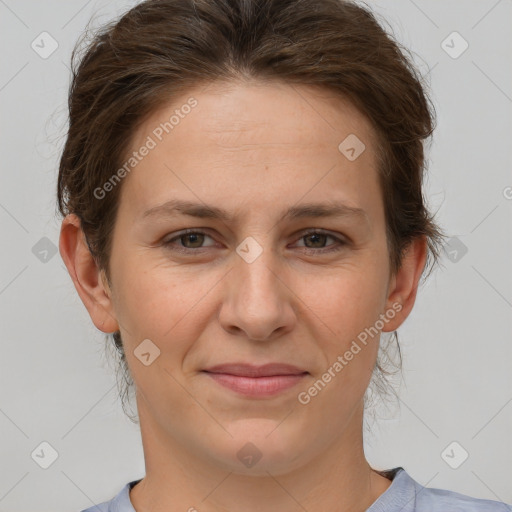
pixel 88 279
pixel 404 284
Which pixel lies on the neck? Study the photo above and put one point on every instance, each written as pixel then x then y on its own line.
pixel 339 479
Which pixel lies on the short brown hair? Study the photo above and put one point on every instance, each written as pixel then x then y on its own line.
pixel 161 48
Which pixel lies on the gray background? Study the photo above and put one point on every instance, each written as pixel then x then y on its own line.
pixel 55 382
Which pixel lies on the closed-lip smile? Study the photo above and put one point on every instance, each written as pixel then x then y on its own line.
pixel 256 381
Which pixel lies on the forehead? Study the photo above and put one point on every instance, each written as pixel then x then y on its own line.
pixel 263 137
pixel 273 111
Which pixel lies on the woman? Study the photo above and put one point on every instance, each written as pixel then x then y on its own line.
pixel 242 192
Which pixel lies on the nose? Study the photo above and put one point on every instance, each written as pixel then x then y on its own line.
pixel 257 300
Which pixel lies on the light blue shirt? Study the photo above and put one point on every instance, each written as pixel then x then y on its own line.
pixel 403 495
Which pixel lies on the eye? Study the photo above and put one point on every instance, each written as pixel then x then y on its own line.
pixel 317 238
pixel 192 240
pixel 189 239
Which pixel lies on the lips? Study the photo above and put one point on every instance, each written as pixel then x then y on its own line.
pixel 247 370
pixel 256 381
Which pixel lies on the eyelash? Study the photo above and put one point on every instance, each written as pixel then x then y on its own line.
pixel 338 246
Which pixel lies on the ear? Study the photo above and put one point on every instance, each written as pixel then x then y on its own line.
pixel 403 285
pixel 90 283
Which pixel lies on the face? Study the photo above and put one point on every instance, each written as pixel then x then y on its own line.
pixel 285 262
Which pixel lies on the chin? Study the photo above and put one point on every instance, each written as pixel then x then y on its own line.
pixel 262 446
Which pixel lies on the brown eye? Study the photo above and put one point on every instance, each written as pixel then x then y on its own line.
pixel 196 240
pixel 188 241
pixel 317 239
pixel 315 242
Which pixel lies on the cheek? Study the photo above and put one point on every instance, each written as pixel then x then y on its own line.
pixel 163 303
pixel 345 302
pixel 167 308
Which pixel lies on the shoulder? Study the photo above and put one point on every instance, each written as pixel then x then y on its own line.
pixel 407 495
pixel 119 503
pixel 433 499
pixel 441 499
pixel 101 507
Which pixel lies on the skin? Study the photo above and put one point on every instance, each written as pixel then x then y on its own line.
pixel 254 149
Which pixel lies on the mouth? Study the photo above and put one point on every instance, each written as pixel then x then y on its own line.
pixel 256 381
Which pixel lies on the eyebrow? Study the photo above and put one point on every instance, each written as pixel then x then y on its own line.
pixel 204 211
